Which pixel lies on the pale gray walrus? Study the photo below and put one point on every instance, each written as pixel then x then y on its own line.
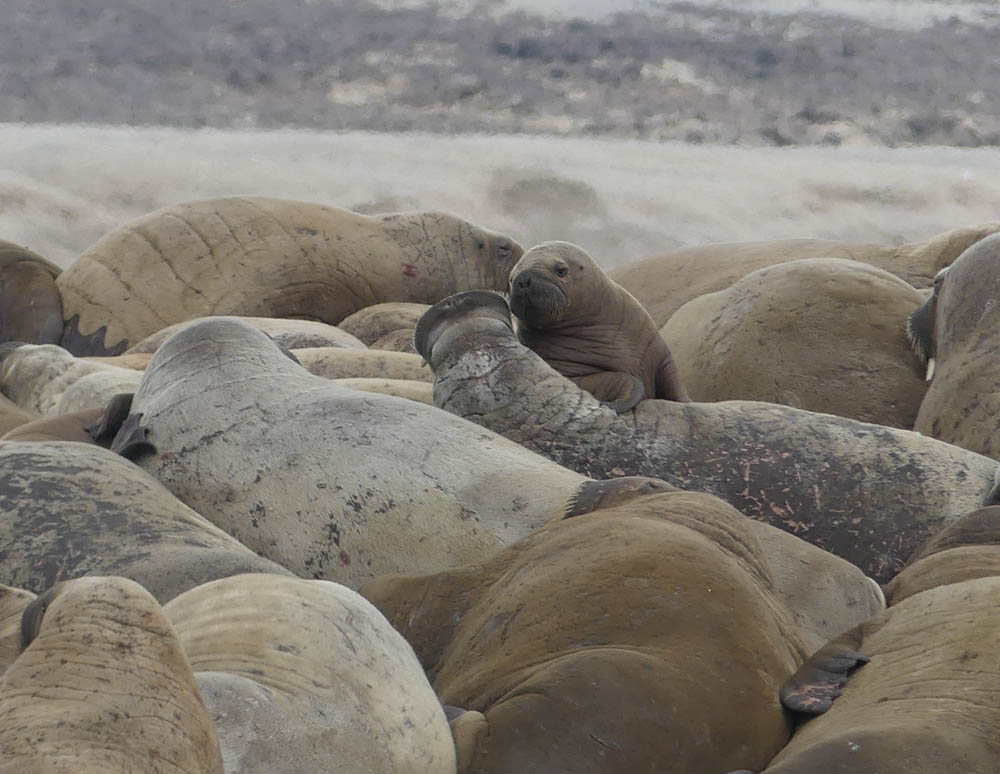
pixel 328 481
pixel 867 493
pixel 306 676
pixel 69 509
pixel 262 257
pixel 589 328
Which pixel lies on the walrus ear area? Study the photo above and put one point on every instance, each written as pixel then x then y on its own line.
pixel 104 430
pixel 130 440
pixel 814 686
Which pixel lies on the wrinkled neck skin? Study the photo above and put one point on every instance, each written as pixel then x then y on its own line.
pixel 484 374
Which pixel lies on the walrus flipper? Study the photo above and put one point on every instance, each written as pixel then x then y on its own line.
pixel 130 440
pixel 104 430
pixel 616 389
pixel 814 686
pixel 668 382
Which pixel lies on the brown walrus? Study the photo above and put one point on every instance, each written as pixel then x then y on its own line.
pixel 589 328
pixel 30 303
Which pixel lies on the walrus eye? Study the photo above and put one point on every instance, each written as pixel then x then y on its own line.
pixel 561 271
pixel 503 250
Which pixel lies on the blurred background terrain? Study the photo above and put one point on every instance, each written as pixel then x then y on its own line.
pixel 640 125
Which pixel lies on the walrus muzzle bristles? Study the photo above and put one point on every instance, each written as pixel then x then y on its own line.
pixel 536 299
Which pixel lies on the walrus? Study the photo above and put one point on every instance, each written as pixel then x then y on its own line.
pixel 347 484
pixel 289 333
pixel 103 685
pixel 30 303
pixel 589 328
pixel 926 701
pixel 410 389
pixel 384 326
pixel 341 363
pixel 13 601
pixel 263 257
pixel 70 509
pixel 967 548
pixel 647 636
pixel 821 334
pixel 955 331
pixel 38 376
pixel 12 415
pixel 663 283
pixel 867 493
pixel 302 673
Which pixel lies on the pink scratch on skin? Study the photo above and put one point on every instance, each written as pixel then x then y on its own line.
pixel 409 270
pixel 344 557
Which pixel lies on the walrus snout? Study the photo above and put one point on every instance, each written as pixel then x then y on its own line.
pixel 535 298
pixel 485 304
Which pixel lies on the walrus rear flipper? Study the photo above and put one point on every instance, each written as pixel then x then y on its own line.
pixel 130 440
pixel 104 430
pixel 616 389
pixel 814 686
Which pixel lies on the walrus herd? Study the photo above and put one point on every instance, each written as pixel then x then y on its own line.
pixel 286 488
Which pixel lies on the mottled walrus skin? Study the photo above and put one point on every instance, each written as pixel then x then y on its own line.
pixel 589 328
pixel 967 548
pixel 264 257
pixel 867 493
pixel 327 481
pixel 102 686
pixel 821 334
pixel 927 702
pixel 665 282
pixel 308 676
pixel 644 637
pixel 69 509
pixel 958 327
pixel 30 303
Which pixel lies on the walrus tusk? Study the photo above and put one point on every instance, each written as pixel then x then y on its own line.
pixel 930 369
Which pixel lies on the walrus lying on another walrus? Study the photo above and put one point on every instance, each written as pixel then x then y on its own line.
pixel 589 328
pixel 328 481
pixel 867 493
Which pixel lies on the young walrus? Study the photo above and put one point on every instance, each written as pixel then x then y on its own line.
pixel 589 328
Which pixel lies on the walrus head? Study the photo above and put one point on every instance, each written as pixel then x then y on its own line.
pixel 482 305
pixel 30 303
pixel 920 325
pixel 545 283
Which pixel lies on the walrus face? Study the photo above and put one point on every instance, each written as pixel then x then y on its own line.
pixel 543 282
pixel 962 310
pixel 920 325
pixel 480 305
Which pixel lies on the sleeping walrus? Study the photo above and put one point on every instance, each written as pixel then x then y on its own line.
pixel 589 328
